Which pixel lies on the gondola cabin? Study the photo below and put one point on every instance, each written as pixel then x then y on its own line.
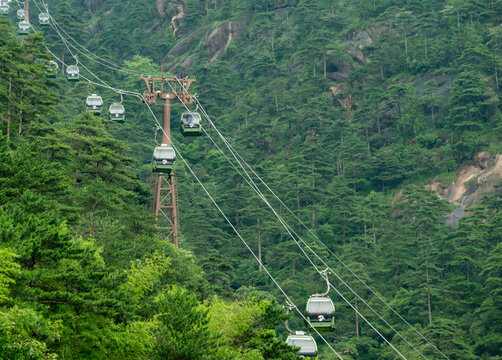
pixel 94 104
pixel 163 159
pixel 43 19
pixel 23 28
pixel 320 312
pixel 52 69
pixel 306 343
pixel 20 14
pixel 4 8
pixel 117 112
pixel 190 124
pixel 72 73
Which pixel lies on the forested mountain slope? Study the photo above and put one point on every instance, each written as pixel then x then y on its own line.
pixel 358 115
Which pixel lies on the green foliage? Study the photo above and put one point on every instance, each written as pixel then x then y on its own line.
pixel 24 333
pixel 145 275
pixel 346 109
pixel 183 331
pixel 7 269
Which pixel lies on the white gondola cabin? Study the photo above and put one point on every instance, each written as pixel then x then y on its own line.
pixel 43 19
pixel 72 73
pixel 306 343
pixel 190 124
pixel 20 14
pixel 23 28
pixel 163 159
pixel 94 104
pixel 52 69
pixel 4 8
pixel 320 312
pixel 117 112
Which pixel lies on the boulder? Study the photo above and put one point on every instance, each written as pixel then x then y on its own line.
pixel 472 184
pixel 173 11
pixel 218 40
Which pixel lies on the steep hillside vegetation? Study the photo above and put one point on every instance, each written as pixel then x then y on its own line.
pixel 359 115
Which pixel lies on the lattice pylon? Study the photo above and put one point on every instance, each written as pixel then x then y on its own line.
pixel 166 217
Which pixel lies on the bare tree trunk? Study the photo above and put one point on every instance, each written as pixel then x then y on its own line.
pixel 368 142
pixel 357 320
pixel 259 241
pixel 374 238
pixel 62 62
pixel 428 289
pixel 406 46
pixel 432 116
pixel 426 47
pixel 20 129
pixel 313 199
pixel 344 228
pixel 276 104
pixel 8 108
pixel 298 210
pixel 273 49
pixel 324 65
pixel 496 77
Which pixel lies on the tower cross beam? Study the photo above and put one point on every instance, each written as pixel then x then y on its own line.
pixel 165 203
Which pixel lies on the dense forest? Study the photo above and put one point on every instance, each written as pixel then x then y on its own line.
pixel 376 123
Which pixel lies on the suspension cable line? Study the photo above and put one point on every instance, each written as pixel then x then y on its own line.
pixel 102 61
pixel 239 159
pixel 291 231
pixel 236 155
pixel 238 234
pixel 294 237
pixel 105 85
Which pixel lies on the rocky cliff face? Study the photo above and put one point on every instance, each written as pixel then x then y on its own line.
pixel 215 41
pixel 172 11
pixel 473 182
pixel 218 40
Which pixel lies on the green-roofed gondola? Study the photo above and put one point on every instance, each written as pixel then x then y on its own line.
pixel 52 69
pixel 73 73
pixel 306 343
pixel 94 104
pixel 43 19
pixel 4 8
pixel 190 124
pixel 117 112
pixel 23 28
pixel 163 159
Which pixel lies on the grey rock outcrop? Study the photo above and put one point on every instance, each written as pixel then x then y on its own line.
pixel 218 40
pixel 472 184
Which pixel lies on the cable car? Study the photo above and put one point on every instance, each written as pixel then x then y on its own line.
pixel 72 73
pixel 117 112
pixel 163 159
pixel 320 312
pixel 307 344
pixel 94 104
pixel 52 69
pixel 43 19
pixel 4 8
pixel 190 124
pixel 20 14
pixel 23 28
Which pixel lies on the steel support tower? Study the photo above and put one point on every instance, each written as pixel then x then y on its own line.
pixel 165 204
